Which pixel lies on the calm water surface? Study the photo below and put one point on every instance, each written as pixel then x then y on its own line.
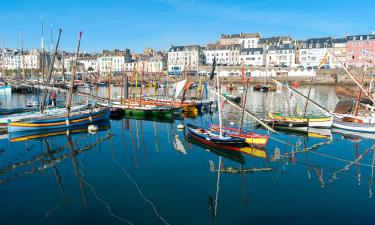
pixel 146 172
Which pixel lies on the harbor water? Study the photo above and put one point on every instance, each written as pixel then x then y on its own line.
pixel 147 172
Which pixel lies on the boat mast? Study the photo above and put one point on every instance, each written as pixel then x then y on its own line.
pixel 45 91
pixel 353 78
pixel 307 100
pixel 244 105
pixel 141 91
pixel 42 46
pixel 3 57
pixel 73 77
pixel 218 102
pixel 109 83
pixel 358 102
pixel 22 58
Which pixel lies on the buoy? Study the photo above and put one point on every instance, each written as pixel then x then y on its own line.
pixel 180 126
pixel 92 129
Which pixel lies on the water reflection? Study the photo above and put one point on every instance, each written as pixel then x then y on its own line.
pixel 135 171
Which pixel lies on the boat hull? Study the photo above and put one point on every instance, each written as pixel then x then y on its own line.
pixel 317 122
pixel 59 122
pixel 352 126
pixel 250 138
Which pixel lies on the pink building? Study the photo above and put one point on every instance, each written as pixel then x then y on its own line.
pixel 361 48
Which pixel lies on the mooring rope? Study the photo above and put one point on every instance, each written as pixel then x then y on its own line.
pixel 141 193
pixel 107 205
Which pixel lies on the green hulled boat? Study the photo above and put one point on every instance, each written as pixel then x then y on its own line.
pixel 147 111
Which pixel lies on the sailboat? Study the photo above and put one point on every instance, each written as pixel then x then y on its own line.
pixel 358 121
pixel 300 122
pixel 212 139
pixel 62 120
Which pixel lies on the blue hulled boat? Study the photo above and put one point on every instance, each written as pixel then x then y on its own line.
pixel 83 117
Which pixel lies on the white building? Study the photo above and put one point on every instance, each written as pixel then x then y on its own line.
pixel 271 58
pixel 252 56
pixel 28 60
pixel 249 40
pixel 286 55
pixel 149 65
pixel 90 63
pixel 225 54
pixel 112 61
pixel 315 52
pixel 185 59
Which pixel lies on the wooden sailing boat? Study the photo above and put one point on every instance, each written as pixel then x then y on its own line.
pixel 250 137
pixel 360 122
pixel 212 139
pixel 69 119
pixel 300 122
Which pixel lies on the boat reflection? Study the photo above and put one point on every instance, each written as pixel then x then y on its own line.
pixel 39 134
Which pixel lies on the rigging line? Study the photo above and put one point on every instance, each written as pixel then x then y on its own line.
pixel 280 141
pixel 140 192
pixel 107 205
pixel 343 160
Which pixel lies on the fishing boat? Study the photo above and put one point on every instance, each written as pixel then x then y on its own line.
pixel 300 121
pixel 44 122
pixel 4 121
pixel 233 98
pixel 215 140
pixel 346 93
pixel 250 137
pixel 40 134
pixel 355 123
pixel 147 111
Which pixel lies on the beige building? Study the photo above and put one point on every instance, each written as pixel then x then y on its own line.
pixel 249 40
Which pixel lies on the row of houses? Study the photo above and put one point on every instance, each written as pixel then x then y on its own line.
pixel 283 51
pixel 230 50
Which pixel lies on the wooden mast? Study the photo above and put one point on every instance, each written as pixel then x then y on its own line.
pixel 109 83
pixel 244 105
pixel 23 59
pixel 70 95
pixel 44 96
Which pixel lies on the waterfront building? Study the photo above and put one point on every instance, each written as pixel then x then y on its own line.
pixel 155 64
pixel 113 61
pixel 89 62
pixel 15 59
pixel 270 58
pixel 286 55
pixel 361 49
pixel 274 41
pixel 252 56
pixel 315 52
pixel 249 40
pixel 339 50
pixel 185 59
pixel 226 55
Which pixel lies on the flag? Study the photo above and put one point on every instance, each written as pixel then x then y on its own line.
pixel 222 104
pixel 295 84
pixel 212 75
pixel 243 72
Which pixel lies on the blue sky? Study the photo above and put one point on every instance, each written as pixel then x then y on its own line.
pixel 109 24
